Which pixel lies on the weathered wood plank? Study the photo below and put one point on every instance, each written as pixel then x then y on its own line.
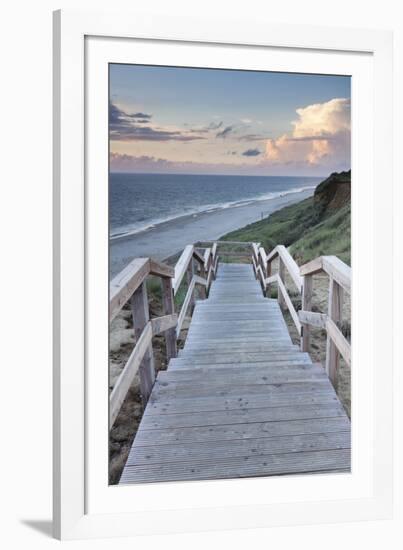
pixel 128 373
pixel 238 372
pixel 181 267
pixel 245 416
pixel 339 340
pixel 169 309
pixel 290 305
pixel 265 465
pixel 307 291
pixel 185 306
pixel 252 389
pixel 141 317
pixel 161 324
pixel 126 283
pixel 312 267
pixel 160 269
pixel 242 431
pixel 334 315
pixel 338 270
pixel 238 448
pixel 317 320
pixel 241 401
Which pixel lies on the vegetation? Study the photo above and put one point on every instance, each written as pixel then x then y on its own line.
pixel 315 226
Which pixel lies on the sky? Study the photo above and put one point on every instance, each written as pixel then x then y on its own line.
pixel 214 121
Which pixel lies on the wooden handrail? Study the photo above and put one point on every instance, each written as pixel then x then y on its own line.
pixel 126 283
pixel 183 263
pixel 339 280
pixel 291 265
pixel 128 373
pixel 130 285
pixel 331 265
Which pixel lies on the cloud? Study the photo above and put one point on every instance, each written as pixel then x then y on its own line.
pixel 320 136
pixel 205 129
pixel 252 137
pixel 225 132
pixel 140 115
pixel 137 127
pixel 252 153
pixel 150 164
pixel 246 120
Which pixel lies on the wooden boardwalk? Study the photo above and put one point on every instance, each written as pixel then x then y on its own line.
pixel 240 400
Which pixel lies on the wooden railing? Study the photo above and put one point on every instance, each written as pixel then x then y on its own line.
pixel 302 277
pixel 130 285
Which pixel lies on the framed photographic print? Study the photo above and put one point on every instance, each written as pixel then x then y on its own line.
pixel 223 346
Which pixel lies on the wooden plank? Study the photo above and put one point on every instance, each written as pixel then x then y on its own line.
pixel 339 340
pixel 334 314
pixel 263 260
pixel 280 280
pixel 317 320
pixel 214 251
pixel 238 448
pixel 290 306
pixel 160 269
pixel 235 347
pixel 255 256
pixel 245 416
pixel 338 270
pixel 128 373
pixel 169 309
pixel 272 279
pixel 241 401
pixel 206 257
pixel 291 266
pixel 126 283
pixel 161 324
pixel 238 372
pixel 265 465
pixel 198 257
pixel 303 315
pixel 242 431
pixel 252 389
pixel 246 376
pixel 141 317
pixel 181 267
pixel 312 267
pixel 279 338
pixel 185 306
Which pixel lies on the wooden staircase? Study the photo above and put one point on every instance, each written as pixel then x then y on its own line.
pixel 240 399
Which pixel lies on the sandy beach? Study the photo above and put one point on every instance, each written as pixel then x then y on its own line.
pixel 166 239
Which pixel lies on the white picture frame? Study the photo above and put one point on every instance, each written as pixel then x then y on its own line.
pixel 86 507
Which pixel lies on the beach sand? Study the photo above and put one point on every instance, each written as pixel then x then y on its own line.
pixel 168 238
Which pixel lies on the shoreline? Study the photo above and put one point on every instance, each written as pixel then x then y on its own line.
pixel 168 238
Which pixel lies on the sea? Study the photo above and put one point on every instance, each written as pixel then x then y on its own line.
pixel 140 202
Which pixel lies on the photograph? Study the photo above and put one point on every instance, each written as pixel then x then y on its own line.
pixel 229 273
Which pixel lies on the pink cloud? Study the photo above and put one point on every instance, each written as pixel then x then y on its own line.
pixel 321 136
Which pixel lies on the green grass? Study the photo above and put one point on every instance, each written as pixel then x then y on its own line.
pixel 282 227
pixel 332 236
pixel 309 231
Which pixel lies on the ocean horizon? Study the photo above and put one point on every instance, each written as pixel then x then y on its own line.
pixel 141 201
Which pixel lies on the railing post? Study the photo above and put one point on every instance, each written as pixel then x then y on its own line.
pixel 306 306
pixel 334 313
pixel 268 274
pixel 141 316
pixel 189 277
pixel 202 289
pixel 169 308
pixel 281 272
